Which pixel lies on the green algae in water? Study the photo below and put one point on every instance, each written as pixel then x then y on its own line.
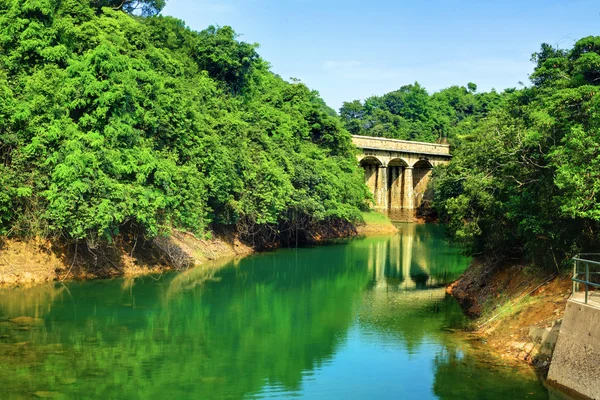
pixel 365 319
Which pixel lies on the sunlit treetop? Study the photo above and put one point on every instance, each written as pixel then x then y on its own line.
pixel 143 7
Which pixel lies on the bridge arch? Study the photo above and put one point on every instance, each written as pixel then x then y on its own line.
pixel 422 170
pixel 398 161
pixel 372 167
pixel 423 163
pixel 396 185
pixel 369 160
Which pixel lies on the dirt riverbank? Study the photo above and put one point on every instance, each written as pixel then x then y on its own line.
pixel 28 263
pixel 517 309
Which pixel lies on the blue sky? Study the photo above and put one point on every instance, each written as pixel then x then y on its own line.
pixel 354 49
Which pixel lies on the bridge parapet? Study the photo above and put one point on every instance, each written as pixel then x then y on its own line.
pixel 404 146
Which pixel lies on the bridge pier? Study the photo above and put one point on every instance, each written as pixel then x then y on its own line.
pixel 397 172
pixel 408 189
pixel 382 188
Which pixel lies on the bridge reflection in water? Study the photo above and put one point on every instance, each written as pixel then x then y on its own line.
pixel 417 258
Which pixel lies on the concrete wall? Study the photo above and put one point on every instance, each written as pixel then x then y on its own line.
pixel 576 360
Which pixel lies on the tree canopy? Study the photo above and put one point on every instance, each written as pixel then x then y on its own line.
pixel 110 120
pixel 526 179
pixel 411 113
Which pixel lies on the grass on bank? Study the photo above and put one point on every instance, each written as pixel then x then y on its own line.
pixel 376 224
pixel 498 311
pixel 375 218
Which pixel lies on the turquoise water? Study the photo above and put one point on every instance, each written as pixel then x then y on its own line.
pixel 359 320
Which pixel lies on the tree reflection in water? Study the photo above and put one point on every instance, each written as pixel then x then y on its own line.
pixel 343 320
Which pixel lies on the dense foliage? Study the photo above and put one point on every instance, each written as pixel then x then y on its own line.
pixel 111 119
pixel 411 113
pixel 526 179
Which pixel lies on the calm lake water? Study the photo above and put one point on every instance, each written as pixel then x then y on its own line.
pixel 367 319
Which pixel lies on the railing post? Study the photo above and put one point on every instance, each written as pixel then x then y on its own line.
pixel 574 277
pixel 587 280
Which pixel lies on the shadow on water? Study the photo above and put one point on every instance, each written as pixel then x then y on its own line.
pixel 363 319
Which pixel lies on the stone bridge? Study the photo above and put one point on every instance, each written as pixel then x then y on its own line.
pixel 397 171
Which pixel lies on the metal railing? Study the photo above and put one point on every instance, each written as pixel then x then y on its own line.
pixel 586 271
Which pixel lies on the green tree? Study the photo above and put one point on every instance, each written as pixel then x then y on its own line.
pixel 111 121
pixel 525 180
pixel 224 58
